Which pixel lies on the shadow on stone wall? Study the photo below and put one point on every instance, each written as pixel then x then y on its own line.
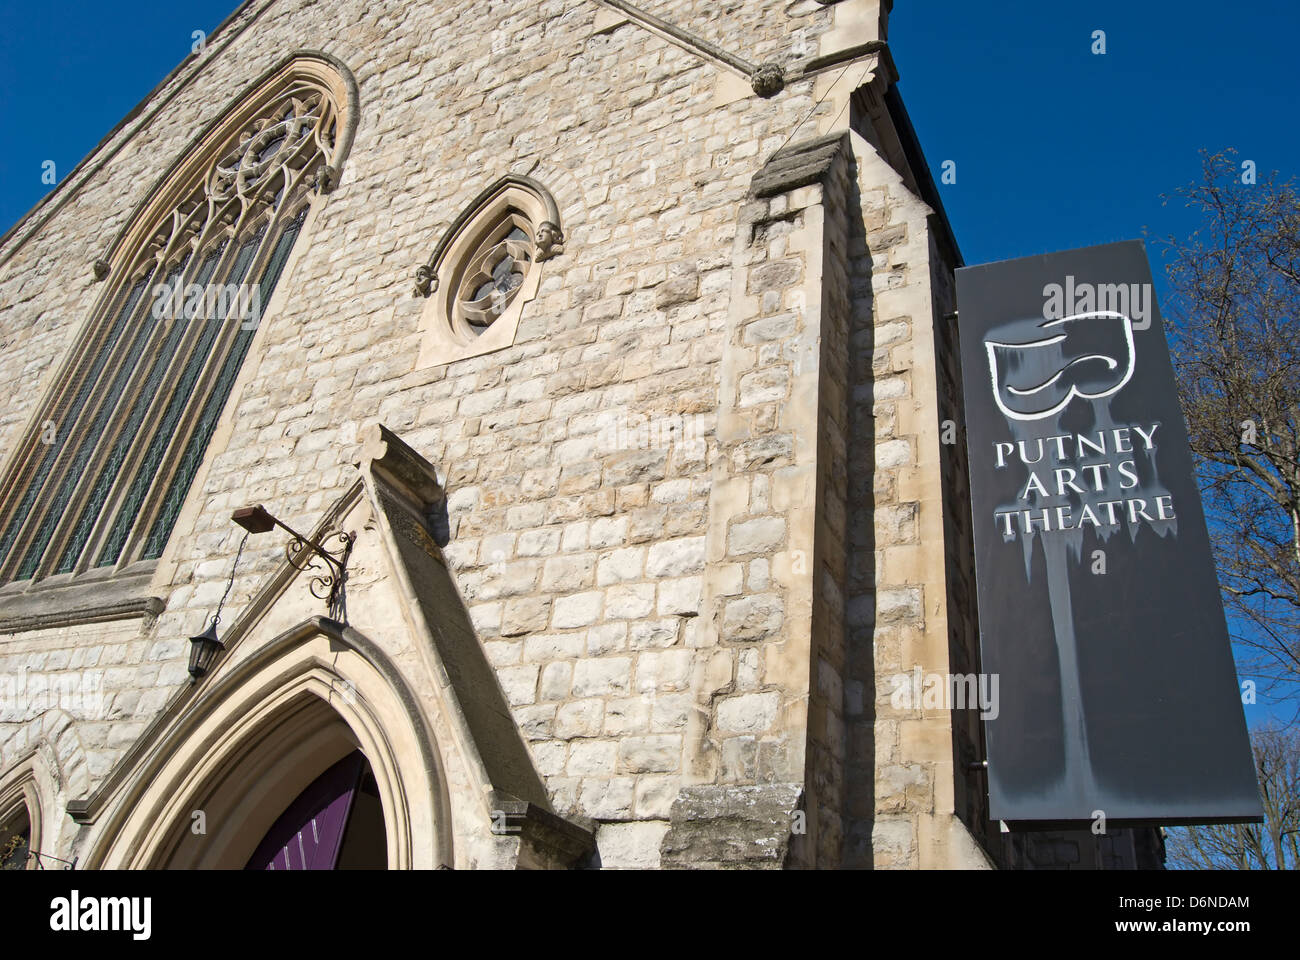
pixel 860 548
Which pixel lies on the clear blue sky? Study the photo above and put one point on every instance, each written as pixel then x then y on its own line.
pixel 1055 147
pixel 71 70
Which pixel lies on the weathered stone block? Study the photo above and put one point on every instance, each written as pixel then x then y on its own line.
pixel 578 610
pixel 748 713
pixel 731 826
pixel 762 535
pixel 753 617
pixel 659 753
pixel 602 677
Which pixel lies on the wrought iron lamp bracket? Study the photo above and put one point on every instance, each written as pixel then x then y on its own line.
pixel 324 586
pixel 299 551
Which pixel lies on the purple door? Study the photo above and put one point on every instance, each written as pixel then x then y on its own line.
pixel 308 834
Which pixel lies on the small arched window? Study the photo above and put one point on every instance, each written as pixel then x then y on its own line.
pixel 485 269
pixel 102 474
pixel 15 840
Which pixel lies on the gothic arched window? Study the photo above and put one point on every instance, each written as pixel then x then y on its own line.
pixel 107 463
pixel 20 817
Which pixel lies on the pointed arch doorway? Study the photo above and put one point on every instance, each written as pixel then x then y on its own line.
pixel 298 793
pixel 231 765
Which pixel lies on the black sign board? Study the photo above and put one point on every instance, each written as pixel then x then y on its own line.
pixel 1099 608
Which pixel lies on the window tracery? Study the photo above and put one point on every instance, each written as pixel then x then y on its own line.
pixel 140 395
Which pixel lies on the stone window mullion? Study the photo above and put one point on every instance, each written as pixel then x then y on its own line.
pixel 228 270
pixel 149 423
pixel 171 345
pixel 98 421
pixel 86 404
pixel 177 436
pixel 29 462
pixel 223 368
pixel 173 416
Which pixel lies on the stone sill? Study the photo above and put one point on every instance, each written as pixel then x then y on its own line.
pixel 89 598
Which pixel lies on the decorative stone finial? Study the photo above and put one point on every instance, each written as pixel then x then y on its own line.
pixel 386 455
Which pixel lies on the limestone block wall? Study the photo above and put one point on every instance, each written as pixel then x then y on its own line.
pixel 696 511
pixel 600 511
pixel 861 592
pixel 753 27
pixel 756 701
pixel 71 700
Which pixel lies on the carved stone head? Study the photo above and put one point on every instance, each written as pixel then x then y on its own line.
pixel 550 240
pixel 425 281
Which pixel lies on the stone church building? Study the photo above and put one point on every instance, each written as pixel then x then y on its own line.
pixel 533 410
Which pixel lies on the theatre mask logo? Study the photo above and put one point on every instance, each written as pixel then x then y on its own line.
pixel 1098 603
pixel 1038 367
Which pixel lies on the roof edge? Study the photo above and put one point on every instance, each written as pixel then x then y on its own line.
pixel 911 145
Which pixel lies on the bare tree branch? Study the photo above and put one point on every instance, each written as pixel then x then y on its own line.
pixel 1272 845
pixel 1234 322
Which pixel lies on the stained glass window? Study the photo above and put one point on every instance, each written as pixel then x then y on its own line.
pixel 15 841
pixel 496 273
pixel 116 446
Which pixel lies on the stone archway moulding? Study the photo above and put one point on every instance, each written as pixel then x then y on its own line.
pixel 274 709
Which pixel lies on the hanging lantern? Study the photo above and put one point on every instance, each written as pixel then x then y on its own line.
pixel 204 649
pixel 206 646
